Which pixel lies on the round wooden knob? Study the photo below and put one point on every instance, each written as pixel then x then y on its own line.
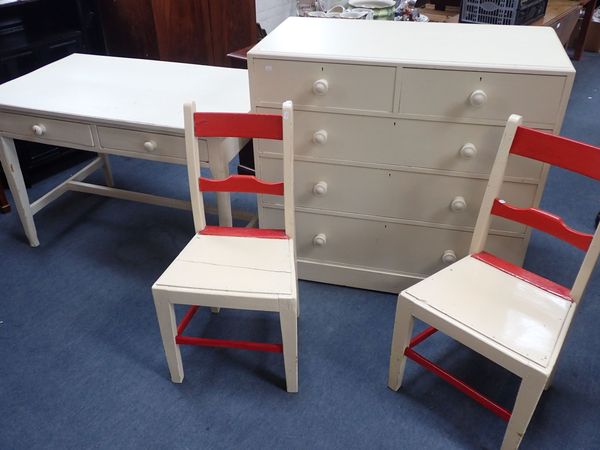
pixel 320 137
pixel 458 204
pixel 320 240
pixel 449 257
pixel 320 189
pixel 478 98
pixel 150 146
pixel 320 87
pixel 38 129
pixel 468 151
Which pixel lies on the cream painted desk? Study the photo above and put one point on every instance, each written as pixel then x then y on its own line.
pixel 119 106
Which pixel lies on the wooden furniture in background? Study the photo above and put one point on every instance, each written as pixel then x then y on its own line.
pixel 394 143
pixel 192 31
pixel 239 268
pixel 512 316
pixel 123 106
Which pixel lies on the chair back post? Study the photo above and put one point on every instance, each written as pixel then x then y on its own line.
pixel 587 266
pixel 482 225
pixel 193 166
pixel 288 168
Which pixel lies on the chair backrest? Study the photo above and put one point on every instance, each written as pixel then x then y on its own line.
pixel 554 150
pixel 239 125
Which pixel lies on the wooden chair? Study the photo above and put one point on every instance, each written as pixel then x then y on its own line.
pixel 241 268
pixel 515 318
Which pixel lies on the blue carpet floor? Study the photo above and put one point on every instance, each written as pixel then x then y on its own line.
pixel 82 364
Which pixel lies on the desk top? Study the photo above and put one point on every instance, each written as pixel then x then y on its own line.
pixel 120 91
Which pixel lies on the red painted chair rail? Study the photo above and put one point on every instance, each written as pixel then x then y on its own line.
pixel 422 336
pixel 543 221
pixel 186 319
pixel 240 183
pixel 558 151
pixel 525 275
pixel 244 345
pixel 265 233
pixel 266 126
pixel 458 384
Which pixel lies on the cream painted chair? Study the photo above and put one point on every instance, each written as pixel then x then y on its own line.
pixel 225 267
pixel 515 318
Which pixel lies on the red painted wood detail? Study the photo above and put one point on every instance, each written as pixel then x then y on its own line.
pixel 265 233
pixel 458 384
pixel 543 221
pixel 266 126
pixel 244 345
pixel 240 183
pixel 186 319
pixel 523 274
pixel 422 336
pixel 558 151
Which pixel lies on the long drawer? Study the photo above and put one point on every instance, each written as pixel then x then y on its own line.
pixel 481 95
pixel 411 143
pixel 151 145
pixel 450 200
pixel 386 246
pixel 41 128
pixel 340 86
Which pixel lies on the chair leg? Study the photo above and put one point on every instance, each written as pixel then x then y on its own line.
pixel 527 399
pixel 165 312
pixel 215 309
pixel 288 317
pixel 403 327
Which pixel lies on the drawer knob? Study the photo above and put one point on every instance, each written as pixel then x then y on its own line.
pixel 320 240
pixel 39 129
pixel 320 189
pixel 478 98
pixel 320 87
pixel 468 151
pixel 320 137
pixel 449 257
pixel 150 146
pixel 458 204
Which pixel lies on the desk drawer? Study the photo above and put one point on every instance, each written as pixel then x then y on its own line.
pixel 450 200
pixel 481 95
pixel 152 145
pixel 383 245
pixel 43 129
pixel 340 86
pixel 449 146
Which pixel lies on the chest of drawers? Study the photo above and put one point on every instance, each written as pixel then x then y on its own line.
pixel 396 129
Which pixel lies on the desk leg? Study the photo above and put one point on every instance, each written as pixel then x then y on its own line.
pixel 12 170
pixel 585 25
pixel 107 170
pixel 219 168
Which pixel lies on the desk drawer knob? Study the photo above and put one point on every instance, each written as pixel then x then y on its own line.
pixel 320 87
pixel 150 146
pixel 458 204
pixel 320 137
pixel 449 257
pixel 39 129
pixel 320 240
pixel 320 189
pixel 468 151
pixel 478 98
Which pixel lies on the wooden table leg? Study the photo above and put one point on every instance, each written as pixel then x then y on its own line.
pixel 4 205
pixel 585 25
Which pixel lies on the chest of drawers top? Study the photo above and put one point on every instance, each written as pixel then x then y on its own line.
pixel 435 45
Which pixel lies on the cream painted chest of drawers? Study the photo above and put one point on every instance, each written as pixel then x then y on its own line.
pixel 396 129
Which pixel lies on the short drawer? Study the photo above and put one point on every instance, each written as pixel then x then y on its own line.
pixel 340 86
pixel 152 145
pixel 481 95
pixel 449 146
pixel 424 197
pixel 386 246
pixel 40 128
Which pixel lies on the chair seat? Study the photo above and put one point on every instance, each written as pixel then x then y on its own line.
pixel 231 264
pixel 510 311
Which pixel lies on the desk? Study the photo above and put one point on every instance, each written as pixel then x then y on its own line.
pixel 119 106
